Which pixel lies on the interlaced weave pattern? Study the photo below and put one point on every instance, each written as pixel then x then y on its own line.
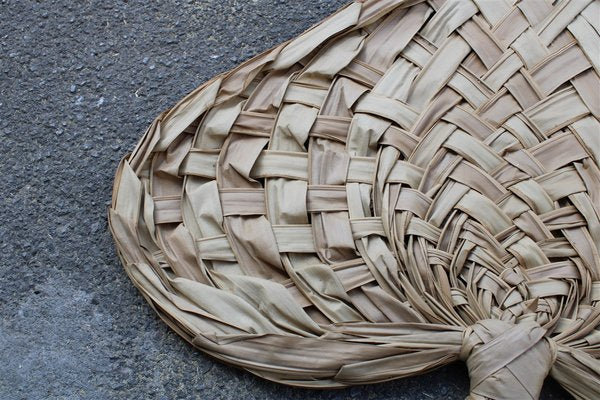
pixel 404 185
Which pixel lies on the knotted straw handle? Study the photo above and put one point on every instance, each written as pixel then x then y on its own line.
pixel 507 361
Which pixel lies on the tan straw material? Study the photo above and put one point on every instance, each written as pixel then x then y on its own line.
pixel 404 185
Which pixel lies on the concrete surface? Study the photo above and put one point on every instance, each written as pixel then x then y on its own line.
pixel 79 83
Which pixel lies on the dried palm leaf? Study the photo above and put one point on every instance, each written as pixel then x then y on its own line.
pixel 404 185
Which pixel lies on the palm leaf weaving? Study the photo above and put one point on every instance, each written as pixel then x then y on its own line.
pixel 406 184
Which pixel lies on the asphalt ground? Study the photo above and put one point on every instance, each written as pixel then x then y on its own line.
pixel 79 83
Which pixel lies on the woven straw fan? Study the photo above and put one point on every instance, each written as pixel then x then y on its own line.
pixel 404 185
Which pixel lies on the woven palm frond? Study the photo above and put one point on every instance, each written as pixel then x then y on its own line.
pixel 402 186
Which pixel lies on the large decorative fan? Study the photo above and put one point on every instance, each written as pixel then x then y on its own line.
pixel 404 185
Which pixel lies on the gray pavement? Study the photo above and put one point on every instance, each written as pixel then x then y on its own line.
pixel 79 83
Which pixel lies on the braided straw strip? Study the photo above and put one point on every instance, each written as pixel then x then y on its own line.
pixel 404 185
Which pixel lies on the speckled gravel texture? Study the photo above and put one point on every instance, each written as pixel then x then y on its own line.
pixel 79 83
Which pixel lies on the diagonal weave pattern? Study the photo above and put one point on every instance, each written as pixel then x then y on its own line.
pixel 404 185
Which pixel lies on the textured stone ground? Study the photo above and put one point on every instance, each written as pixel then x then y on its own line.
pixel 79 83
